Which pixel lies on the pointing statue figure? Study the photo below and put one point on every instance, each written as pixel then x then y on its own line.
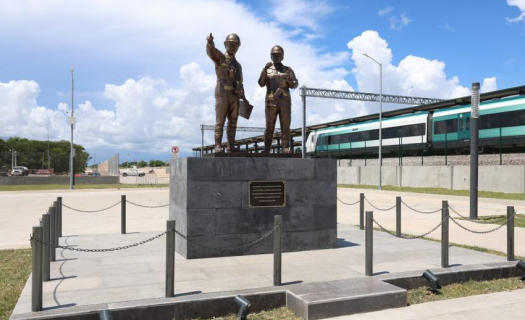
pixel 229 89
pixel 278 79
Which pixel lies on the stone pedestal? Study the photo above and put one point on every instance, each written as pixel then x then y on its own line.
pixel 209 201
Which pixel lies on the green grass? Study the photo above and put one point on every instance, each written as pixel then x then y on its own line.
pixel 274 314
pixel 79 186
pixel 481 194
pixel 15 267
pixel 519 220
pixel 458 290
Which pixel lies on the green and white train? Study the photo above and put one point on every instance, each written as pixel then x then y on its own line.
pixel 501 125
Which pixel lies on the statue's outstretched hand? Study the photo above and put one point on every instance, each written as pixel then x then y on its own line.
pixel 210 38
pixel 268 65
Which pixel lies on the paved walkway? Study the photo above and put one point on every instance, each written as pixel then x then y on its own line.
pixel 417 223
pixel 501 305
pixel 138 273
pixel 83 278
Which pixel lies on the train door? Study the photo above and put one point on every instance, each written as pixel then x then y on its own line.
pixel 464 126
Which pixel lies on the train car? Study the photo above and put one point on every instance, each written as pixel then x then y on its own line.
pixel 406 132
pixel 501 125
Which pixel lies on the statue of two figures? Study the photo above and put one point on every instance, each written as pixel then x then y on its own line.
pixel 229 93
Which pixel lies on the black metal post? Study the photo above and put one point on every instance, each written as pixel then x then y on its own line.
pixel 46 249
pixel 123 214
pixel 277 249
pixel 36 277
pixel 57 222
pixel 510 233
pixel 52 233
pixel 444 235
pixel 59 199
pixel 369 245
pixel 398 217
pixel 170 258
pixel 362 211
pixel 474 136
pixel 278 145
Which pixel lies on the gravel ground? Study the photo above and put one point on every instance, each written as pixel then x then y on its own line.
pixel 452 160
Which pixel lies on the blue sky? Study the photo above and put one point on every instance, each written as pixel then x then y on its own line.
pixel 143 81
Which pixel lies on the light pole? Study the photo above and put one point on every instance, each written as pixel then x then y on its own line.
pixel 128 160
pixel 380 114
pixel 72 121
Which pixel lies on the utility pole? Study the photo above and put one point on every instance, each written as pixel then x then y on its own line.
pixel 48 159
pixel 72 122
pixel 474 136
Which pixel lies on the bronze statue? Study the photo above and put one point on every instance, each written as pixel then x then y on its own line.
pixel 229 89
pixel 278 79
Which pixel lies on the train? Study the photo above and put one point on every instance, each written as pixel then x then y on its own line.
pixel 501 126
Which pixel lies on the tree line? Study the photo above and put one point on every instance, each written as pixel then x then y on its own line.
pixel 33 154
pixel 142 164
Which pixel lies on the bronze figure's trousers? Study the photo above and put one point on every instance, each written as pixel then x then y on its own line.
pixel 283 109
pixel 226 106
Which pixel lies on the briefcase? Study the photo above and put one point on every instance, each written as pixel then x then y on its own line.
pixel 245 109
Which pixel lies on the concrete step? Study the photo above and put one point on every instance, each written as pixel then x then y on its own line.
pixel 343 297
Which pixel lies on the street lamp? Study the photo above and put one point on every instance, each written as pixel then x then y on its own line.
pixel 128 160
pixel 380 114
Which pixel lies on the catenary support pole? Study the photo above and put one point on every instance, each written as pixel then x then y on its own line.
pixel 444 235
pixel 36 277
pixel 303 97
pixel 123 214
pixel 46 268
pixel 52 234
pixel 170 258
pixel 510 233
pixel 474 135
pixel 277 249
pixel 369 244
pixel 398 217
pixel 362 211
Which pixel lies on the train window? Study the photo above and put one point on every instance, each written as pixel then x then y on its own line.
pixel 460 124
pixel 446 126
pixel 467 124
pixel 489 121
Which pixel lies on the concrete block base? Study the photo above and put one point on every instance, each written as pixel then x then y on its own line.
pixel 209 201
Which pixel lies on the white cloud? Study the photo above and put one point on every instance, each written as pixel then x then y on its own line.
pixel 449 27
pixel 413 76
pixel 521 6
pixel 148 113
pixel 489 84
pixel 399 23
pixel 300 13
pixel 386 10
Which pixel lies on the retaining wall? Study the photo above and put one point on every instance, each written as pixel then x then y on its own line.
pixel 12 181
pixel 508 179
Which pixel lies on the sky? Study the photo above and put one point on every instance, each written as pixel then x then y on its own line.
pixel 144 83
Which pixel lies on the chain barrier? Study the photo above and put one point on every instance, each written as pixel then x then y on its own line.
pixel 419 211
pixel 407 237
pixel 387 209
pixel 90 211
pixel 470 220
pixel 348 204
pixel 97 250
pixel 144 206
pixel 483 232
pixel 247 245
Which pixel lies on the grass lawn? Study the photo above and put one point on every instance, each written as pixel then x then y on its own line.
pixel 466 193
pixel 519 220
pixel 458 290
pixel 15 267
pixel 79 186
pixel 280 313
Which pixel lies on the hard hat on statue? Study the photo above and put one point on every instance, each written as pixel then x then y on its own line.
pixel 233 38
pixel 277 49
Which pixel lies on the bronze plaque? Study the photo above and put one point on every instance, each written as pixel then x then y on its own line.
pixel 266 194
